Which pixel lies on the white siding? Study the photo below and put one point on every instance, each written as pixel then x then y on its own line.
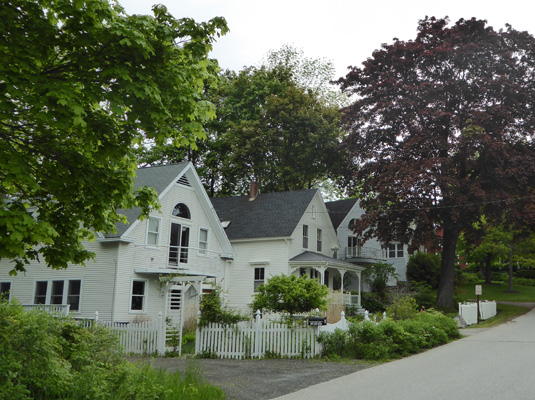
pixel 319 219
pixel 239 277
pixel 98 280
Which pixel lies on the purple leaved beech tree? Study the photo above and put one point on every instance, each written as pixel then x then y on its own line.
pixel 441 132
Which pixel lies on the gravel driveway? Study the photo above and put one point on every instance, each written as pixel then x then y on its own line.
pixel 262 379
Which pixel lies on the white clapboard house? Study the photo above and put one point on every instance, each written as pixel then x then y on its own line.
pixel 343 214
pixel 281 233
pixel 153 265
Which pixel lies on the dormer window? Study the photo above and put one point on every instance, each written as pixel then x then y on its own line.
pixel 352 223
pixel 181 210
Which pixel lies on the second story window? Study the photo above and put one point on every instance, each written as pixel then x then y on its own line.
pixel 178 244
pixel 182 211
pixel 395 250
pixel 305 236
pixel 203 241
pixel 153 232
pixel 319 240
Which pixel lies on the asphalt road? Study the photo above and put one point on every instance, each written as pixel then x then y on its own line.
pixel 495 363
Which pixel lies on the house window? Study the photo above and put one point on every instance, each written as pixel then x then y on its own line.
pixel 203 241
pixel 395 250
pixel 353 246
pixel 73 294
pixel 178 244
pixel 259 274
pixel 57 292
pixel 305 236
pixel 138 295
pixel 352 224
pixel 319 240
pixel 181 210
pixel 61 292
pixel 40 292
pixel 313 212
pixel 5 289
pixel 153 232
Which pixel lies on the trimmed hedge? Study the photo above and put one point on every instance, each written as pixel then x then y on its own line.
pixel 390 339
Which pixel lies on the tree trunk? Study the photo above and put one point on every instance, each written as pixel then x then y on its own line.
pixel 446 283
pixel 488 268
pixel 511 251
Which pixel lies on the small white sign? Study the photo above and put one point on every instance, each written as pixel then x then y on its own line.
pixel 479 290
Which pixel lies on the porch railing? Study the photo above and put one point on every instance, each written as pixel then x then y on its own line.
pixel 177 257
pixel 51 308
pixel 363 252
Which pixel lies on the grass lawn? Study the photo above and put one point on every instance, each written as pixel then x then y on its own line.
pixel 496 291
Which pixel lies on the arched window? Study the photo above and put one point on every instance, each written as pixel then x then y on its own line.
pixel 352 223
pixel 181 210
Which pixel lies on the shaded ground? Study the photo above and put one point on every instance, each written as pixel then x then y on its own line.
pixel 262 379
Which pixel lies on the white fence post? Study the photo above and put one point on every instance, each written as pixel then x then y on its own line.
pixel 257 334
pixel 161 335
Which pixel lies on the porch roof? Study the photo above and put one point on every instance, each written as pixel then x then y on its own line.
pixel 188 274
pixel 317 259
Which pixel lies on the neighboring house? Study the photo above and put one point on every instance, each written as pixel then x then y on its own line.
pixel 149 266
pixel 343 214
pixel 281 233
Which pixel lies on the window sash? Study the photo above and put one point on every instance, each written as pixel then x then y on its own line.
pixel 138 296
pixel 203 241
pixel 5 289
pixel 305 236
pixel 56 297
pixel 259 277
pixel 153 231
pixel 41 288
pixel 319 240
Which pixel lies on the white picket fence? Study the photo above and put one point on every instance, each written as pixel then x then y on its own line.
pixel 148 337
pixel 256 339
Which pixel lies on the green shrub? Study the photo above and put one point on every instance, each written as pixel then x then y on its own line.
pixel 525 273
pixel 378 275
pixel 336 344
pixel 424 267
pixel 523 281
pixel 213 310
pixel 423 294
pixel 48 357
pixel 372 303
pixel 404 307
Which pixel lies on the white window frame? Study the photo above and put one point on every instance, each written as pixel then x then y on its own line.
pixel 64 295
pixel 203 252
pixel 305 236
pixel 10 288
pixel 258 282
pixel 319 244
pixel 396 249
pixel 158 233
pixel 313 212
pixel 144 295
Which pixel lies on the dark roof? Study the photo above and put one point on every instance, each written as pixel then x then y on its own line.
pixel 268 215
pixel 159 178
pixel 339 209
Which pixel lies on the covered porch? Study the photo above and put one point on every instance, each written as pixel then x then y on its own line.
pixel 336 274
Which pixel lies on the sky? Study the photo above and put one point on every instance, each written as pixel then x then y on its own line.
pixel 344 32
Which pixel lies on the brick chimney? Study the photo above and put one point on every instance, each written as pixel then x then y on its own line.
pixel 254 191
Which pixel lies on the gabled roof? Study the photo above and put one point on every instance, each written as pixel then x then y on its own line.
pixel 159 178
pixel 339 209
pixel 268 215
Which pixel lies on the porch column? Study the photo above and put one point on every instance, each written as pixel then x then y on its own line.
pixel 342 272
pixel 359 276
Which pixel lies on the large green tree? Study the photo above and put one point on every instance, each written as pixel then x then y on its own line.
pixel 270 127
pixel 441 132
pixel 82 83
